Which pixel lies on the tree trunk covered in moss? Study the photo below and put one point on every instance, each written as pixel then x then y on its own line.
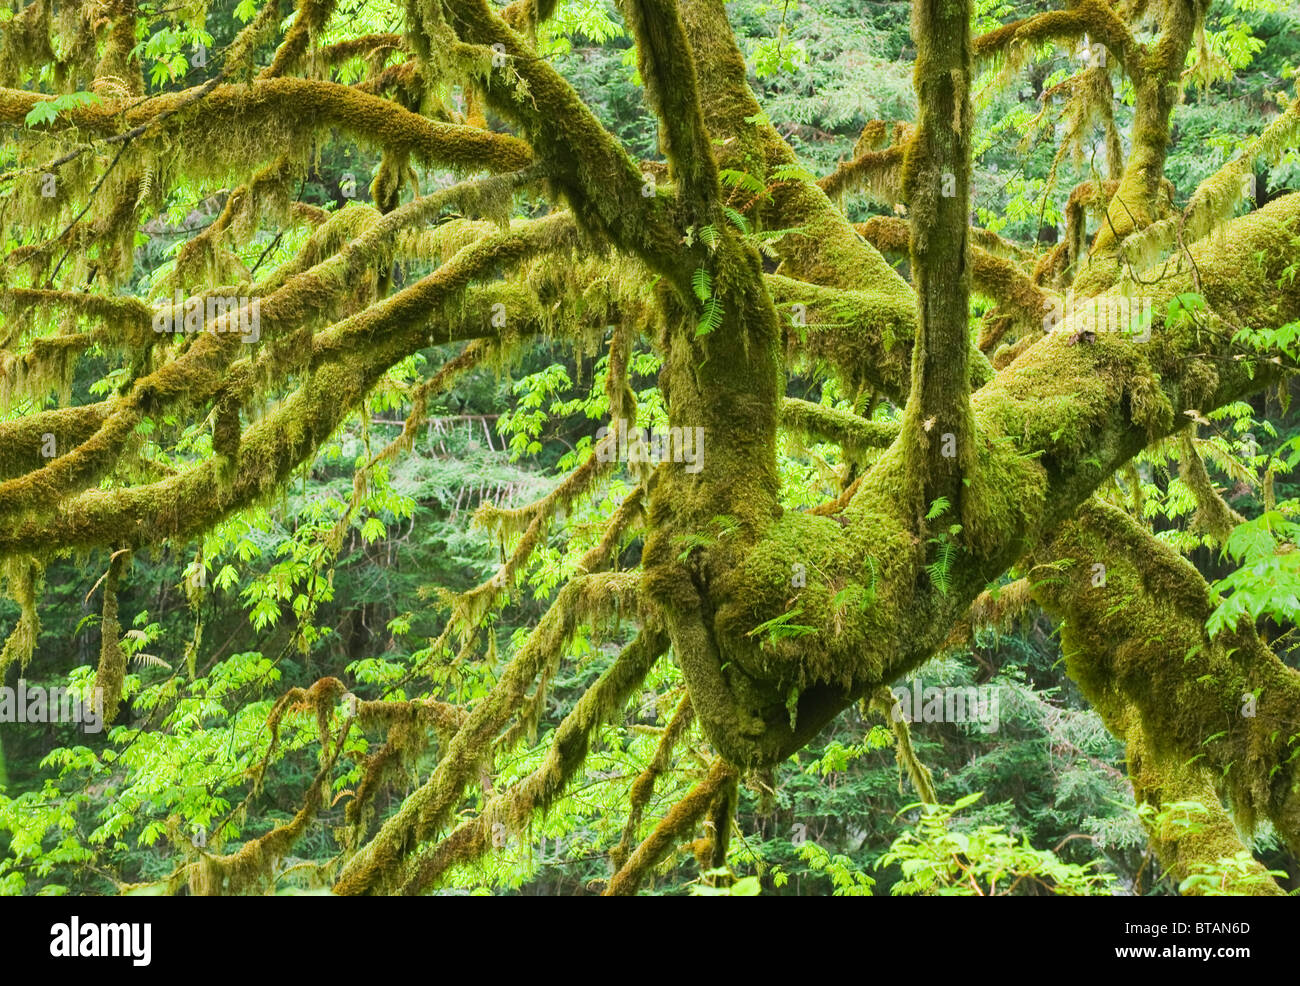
pixel 936 187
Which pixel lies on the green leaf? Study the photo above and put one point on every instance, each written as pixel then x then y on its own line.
pixel 43 112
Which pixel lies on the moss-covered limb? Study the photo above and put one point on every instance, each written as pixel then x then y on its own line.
pixel 333 234
pixel 1021 302
pixel 719 824
pixel 938 430
pixel 24 443
pixel 675 827
pixel 1137 201
pixel 353 245
pixel 377 866
pixel 830 508
pixel 307 297
pixel 1182 368
pixel 998 609
pixel 283 112
pixel 588 167
pixel 410 728
pixel 1136 639
pixel 125 321
pixel 1216 197
pixel 345 363
pixel 1186 839
pixel 884 704
pixel 372 45
pixel 878 172
pixel 238 56
pixel 1213 515
pixel 308 22
pixel 117 68
pixel 1050 430
pixel 993 609
pixel 857 436
pixel 991 242
pixel 889 234
pixel 251 865
pixel 23 582
pixel 865 337
pixel 443 717
pixel 71 469
pixel 644 786
pixel 111 672
pixel 667 66
pixel 1097 19
pixel 193 375
pixel 308 215
pixel 516 805
pixel 823 247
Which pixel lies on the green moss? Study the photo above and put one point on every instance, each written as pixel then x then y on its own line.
pixel 1139 641
pixel 111 672
pixel 23 578
pixel 516 806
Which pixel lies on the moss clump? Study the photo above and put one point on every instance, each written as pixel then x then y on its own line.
pixel 111 672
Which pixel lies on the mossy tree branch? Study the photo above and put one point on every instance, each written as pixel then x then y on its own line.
pixel 1135 642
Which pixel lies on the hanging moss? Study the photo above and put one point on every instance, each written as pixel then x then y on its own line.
pixel 1213 515
pixel 23 583
pixel 676 824
pixel 309 22
pixel 877 173
pixel 643 787
pixel 111 672
pixel 378 864
pixel 883 703
pixel 515 806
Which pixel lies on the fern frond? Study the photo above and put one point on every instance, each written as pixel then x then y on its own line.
pixel 702 283
pixel 737 220
pixel 711 318
pixel 740 179
pixel 150 660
